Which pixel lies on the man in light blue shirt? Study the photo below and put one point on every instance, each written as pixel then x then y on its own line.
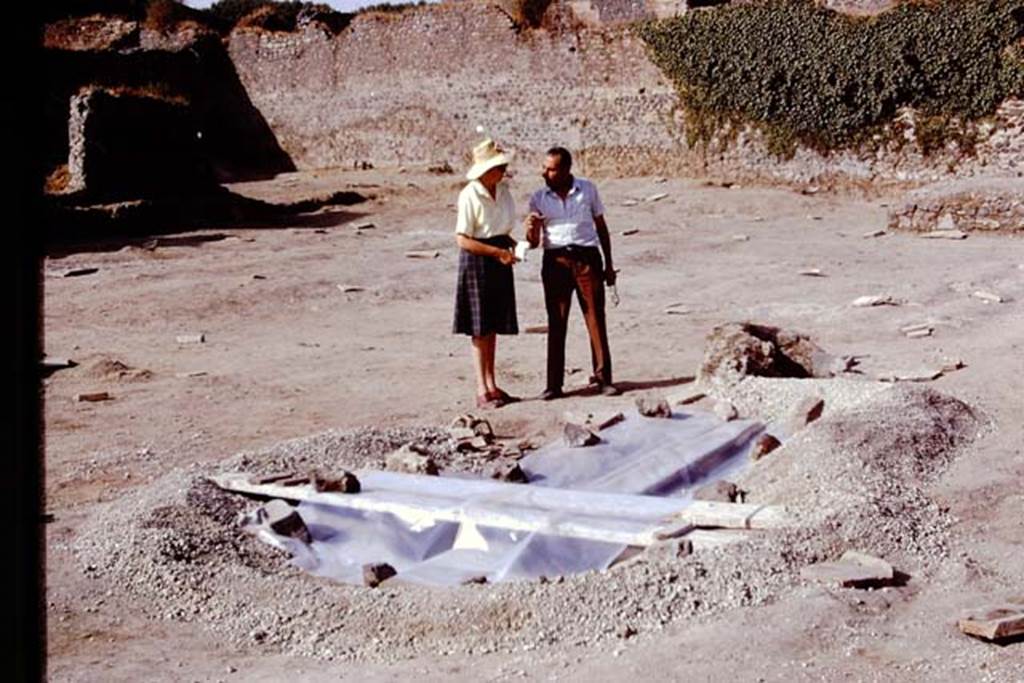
pixel 567 217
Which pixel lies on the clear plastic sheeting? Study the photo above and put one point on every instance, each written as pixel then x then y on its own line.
pixel 654 457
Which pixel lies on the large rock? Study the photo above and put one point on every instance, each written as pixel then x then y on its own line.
pixel 412 459
pixel 734 350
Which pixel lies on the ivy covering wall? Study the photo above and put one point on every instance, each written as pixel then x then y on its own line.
pixel 806 74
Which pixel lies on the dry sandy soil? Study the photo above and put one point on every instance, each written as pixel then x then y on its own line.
pixel 288 354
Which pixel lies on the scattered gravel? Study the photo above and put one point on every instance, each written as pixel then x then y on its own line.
pixel 854 479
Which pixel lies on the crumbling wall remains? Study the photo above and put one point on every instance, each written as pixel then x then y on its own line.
pixel 411 88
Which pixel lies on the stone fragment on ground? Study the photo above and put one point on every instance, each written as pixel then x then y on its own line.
pixel 919 375
pixel 78 272
pixel 650 406
pixel 577 436
pixel 853 570
pixel 804 413
pixel 284 520
pixel 191 338
pixel 412 459
pixel 734 350
pixel 988 297
pixel 721 491
pixel 944 235
pixel 346 482
pixel 630 231
pixel 811 272
pixel 870 300
pixel 93 396
pixel 657 197
pixel 377 573
pixel 765 444
pixel 726 410
pixel 422 254
pixel 506 471
pixel 536 329
pixel 995 622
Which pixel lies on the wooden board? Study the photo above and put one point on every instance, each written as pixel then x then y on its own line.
pixel 615 518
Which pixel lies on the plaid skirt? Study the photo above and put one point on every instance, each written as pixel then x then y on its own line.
pixel 485 293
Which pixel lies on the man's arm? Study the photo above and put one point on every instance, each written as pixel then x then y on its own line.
pixel 606 247
pixel 478 248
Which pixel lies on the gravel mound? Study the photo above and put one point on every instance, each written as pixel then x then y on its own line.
pixel 856 478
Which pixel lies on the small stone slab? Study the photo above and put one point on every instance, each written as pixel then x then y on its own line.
pixel 988 297
pixel 741 238
pixel 875 233
pixel 630 202
pixel 631 231
pixel 765 444
pixel 995 622
pixel 873 300
pixel 346 482
pixel 677 309
pixel 944 235
pixel 365 226
pixel 426 254
pixel 191 374
pixel 536 329
pixel 804 413
pixel 811 272
pixel 283 519
pixel 579 437
pixel 656 197
pixel 93 396
pixel 653 407
pixel 719 492
pixel 78 272
pixel 56 363
pixel 377 573
pixel 919 334
pixel 916 327
pixel 922 375
pixel 190 338
pixel 347 289
pixel 853 570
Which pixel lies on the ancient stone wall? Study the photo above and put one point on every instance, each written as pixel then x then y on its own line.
pixel 411 88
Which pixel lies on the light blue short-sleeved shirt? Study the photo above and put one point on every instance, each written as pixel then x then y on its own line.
pixel 569 221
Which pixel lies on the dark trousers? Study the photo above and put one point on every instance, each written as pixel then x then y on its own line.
pixel 580 270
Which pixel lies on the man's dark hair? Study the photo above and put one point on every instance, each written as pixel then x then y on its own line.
pixel 564 158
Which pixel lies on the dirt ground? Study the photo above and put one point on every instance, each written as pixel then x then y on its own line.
pixel 287 354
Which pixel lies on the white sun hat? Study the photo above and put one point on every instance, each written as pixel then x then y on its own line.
pixel 486 156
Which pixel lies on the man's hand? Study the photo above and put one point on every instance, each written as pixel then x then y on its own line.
pixel 610 276
pixel 533 224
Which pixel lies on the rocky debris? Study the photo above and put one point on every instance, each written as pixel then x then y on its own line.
pixel 670 550
pixel 506 471
pixel 735 350
pixel 726 410
pixel 346 482
pixel 870 300
pixel 649 406
pixel 982 204
pixel 93 396
pixel 411 458
pixel 721 491
pixel 191 338
pixel 283 519
pixel 626 632
pixel 997 622
pixel 478 580
pixel 988 297
pixel 478 425
pixel 852 570
pixel 763 445
pixel 377 573
pixel 579 437
pixel 804 413
pixel 443 168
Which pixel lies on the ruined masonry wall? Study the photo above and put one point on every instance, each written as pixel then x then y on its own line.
pixel 411 88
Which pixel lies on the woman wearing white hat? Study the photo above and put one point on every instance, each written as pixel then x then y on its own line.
pixel 485 296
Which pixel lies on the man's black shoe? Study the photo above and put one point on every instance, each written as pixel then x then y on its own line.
pixel 551 394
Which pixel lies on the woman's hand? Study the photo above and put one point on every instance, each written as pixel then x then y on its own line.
pixel 506 256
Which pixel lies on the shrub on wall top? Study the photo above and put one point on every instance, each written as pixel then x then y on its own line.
pixel 807 74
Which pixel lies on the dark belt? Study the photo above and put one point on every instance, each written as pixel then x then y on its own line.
pixel 570 250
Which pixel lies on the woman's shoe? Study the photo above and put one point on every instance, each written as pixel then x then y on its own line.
pixel 504 398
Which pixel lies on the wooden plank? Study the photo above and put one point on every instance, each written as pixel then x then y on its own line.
pixel 616 518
